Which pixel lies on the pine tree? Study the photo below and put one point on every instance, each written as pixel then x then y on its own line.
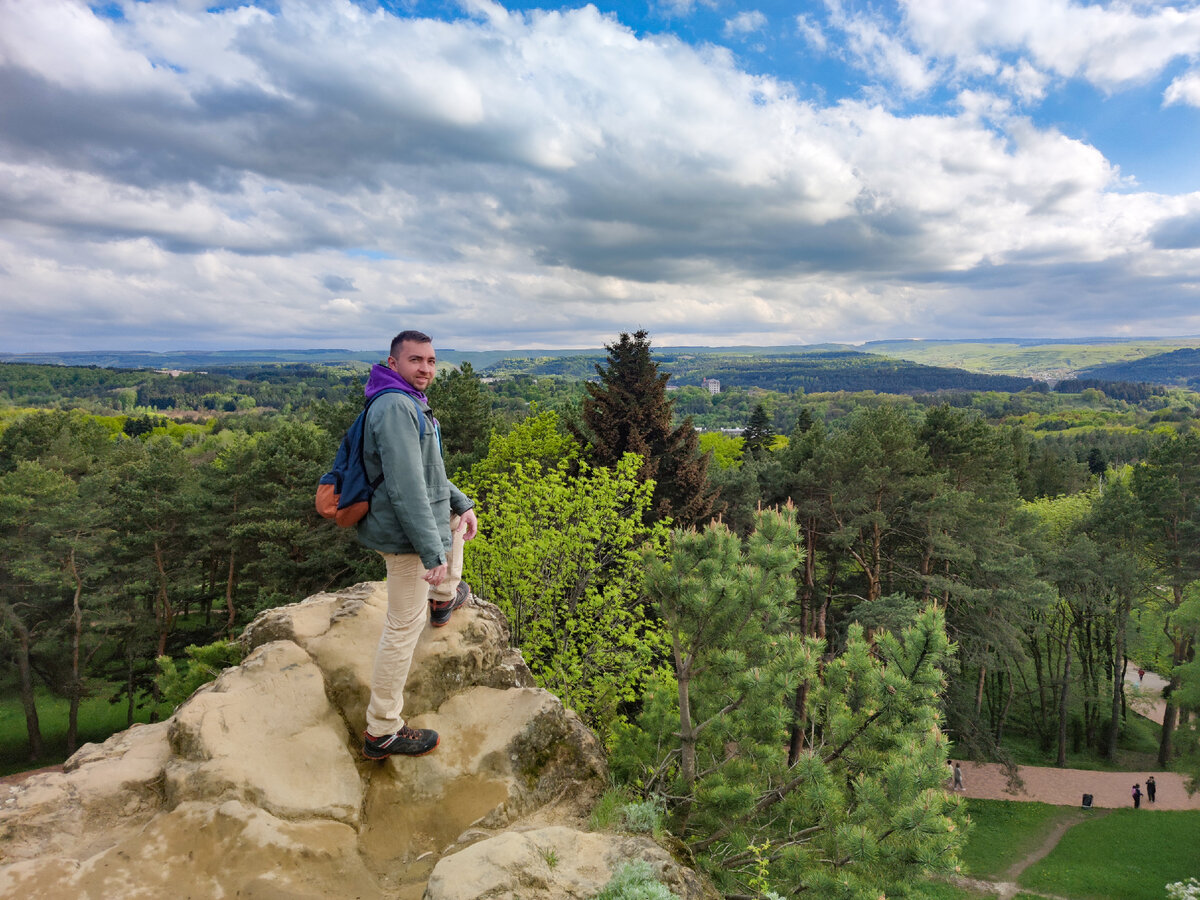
pixel 758 433
pixel 804 420
pixel 464 412
pixel 1167 487
pixel 628 412
pixel 861 806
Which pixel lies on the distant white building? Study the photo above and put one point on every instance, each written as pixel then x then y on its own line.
pixel 713 385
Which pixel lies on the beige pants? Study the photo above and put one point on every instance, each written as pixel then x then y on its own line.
pixel 408 600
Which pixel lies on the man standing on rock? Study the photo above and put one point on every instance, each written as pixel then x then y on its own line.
pixel 418 521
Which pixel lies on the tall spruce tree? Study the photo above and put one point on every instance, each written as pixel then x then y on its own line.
pixel 758 432
pixel 628 412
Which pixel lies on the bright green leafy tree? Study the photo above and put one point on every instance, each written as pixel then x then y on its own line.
pixel 558 550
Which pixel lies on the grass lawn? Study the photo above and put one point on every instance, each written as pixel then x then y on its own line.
pixel 98 719
pixel 1005 831
pixel 1131 854
pixel 938 890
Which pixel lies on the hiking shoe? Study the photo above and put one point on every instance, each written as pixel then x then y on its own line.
pixel 405 742
pixel 439 612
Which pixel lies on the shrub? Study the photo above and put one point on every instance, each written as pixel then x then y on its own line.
pixel 644 817
pixel 634 881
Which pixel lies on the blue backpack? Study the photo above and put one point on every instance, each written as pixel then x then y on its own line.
pixel 344 492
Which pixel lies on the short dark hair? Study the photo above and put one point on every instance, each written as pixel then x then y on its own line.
pixel 417 337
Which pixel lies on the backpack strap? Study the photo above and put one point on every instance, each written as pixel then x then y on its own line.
pixel 420 424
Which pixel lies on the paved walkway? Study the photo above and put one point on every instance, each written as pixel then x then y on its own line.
pixel 1146 696
pixel 1066 787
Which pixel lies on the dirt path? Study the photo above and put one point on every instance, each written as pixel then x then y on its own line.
pixel 1008 887
pixel 1004 890
pixel 1050 842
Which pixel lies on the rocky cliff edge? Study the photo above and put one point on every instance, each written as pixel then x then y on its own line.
pixel 255 787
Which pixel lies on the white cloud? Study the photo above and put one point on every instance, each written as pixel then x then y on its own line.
pixel 681 7
pixel 1110 44
pixel 69 46
pixel 342 306
pixel 812 33
pixel 1023 80
pixel 745 22
pixel 539 179
pixel 1184 90
pixel 879 47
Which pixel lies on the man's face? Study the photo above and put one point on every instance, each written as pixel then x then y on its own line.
pixel 416 364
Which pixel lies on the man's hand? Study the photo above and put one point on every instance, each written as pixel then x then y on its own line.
pixel 436 575
pixel 468 524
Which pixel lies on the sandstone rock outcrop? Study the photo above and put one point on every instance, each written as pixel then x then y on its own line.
pixel 552 863
pixel 255 787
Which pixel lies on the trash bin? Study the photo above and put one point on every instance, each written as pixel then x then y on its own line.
pixel 1087 801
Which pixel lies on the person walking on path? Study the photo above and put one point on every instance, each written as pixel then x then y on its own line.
pixel 1151 787
pixel 418 522
pixel 1137 796
pixel 958 780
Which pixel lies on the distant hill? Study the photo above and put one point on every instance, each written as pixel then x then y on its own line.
pixel 810 371
pixel 838 370
pixel 1041 359
pixel 1036 358
pixel 1180 367
pixel 225 380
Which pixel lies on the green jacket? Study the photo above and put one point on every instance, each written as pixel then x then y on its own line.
pixel 410 511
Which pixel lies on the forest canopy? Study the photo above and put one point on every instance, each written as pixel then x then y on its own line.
pixel 775 603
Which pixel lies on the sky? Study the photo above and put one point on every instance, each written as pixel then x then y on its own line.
pixel 185 174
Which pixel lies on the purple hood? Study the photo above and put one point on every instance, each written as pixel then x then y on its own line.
pixel 382 378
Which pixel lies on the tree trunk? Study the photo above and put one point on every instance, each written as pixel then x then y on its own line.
pixel 1012 692
pixel 129 709
pixel 33 727
pixel 799 724
pixel 979 692
pixel 687 732
pixel 75 689
pixel 1165 748
pixel 1039 716
pixel 1182 651
pixel 164 617
pixel 229 597
pixel 1118 683
pixel 1064 696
